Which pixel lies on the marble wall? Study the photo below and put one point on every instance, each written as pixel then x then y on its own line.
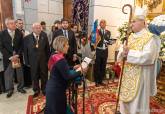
pixel 111 11
pixel 51 10
pixel 37 11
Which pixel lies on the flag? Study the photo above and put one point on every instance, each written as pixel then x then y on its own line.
pixel 94 32
pixel 95 37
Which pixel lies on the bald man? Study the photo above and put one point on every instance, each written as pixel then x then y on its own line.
pixel 36 52
pixel 101 54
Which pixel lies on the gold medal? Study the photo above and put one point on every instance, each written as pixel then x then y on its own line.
pixel 36 45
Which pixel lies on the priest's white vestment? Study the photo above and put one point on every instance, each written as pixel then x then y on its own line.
pixel 146 60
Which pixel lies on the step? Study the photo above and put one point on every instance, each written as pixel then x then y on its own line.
pixel 161 92
pixel 162 74
pixel 162 78
pixel 161 87
pixel 161 98
pixel 161 82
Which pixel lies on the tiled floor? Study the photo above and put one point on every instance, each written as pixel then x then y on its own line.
pixel 16 104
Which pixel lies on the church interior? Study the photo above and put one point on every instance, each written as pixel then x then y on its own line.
pixel 86 96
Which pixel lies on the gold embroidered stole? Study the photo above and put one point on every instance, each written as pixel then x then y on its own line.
pixel 131 74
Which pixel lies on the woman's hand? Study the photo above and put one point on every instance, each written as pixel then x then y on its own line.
pixel 77 66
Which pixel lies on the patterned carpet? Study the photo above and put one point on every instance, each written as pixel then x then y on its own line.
pixel 103 99
pixel 98 100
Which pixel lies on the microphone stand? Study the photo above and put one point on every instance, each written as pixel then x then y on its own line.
pixel 74 96
pixel 84 89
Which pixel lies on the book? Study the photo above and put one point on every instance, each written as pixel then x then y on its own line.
pixel 84 63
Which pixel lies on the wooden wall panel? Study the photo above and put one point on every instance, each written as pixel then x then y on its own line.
pixel 67 9
pixel 0 16
pixel 6 10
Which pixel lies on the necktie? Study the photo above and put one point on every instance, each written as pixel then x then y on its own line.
pixel 103 38
pixel 12 36
pixel 37 38
pixel 37 43
pixel 65 34
pixel 102 32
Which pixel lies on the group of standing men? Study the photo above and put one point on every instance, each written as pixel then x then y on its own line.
pixel 33 51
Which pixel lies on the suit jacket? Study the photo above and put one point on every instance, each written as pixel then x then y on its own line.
pixel 6 45
pixel 1 62
pixel 105 36
pixel 72 42
pixel 36 56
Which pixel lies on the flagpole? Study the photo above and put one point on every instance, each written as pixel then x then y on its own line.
pixel 124 59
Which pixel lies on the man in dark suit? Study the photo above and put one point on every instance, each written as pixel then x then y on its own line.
pixel 11 41
pixel 36 53
pixel 101 54
pixel 26 69
pixel 71 56
pixel 20 26
pixel 2 81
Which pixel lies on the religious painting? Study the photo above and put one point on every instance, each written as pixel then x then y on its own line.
pixel 80 13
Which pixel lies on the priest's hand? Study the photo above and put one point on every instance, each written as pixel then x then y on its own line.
pixel 125 51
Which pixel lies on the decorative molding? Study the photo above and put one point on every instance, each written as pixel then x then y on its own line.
pixel 163 6
pixel 152 4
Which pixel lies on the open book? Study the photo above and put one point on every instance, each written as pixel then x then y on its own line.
pixel 84 63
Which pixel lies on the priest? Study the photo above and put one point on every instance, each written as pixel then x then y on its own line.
pixel 139 75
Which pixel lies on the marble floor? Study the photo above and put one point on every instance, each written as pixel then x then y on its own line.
pixel 16 104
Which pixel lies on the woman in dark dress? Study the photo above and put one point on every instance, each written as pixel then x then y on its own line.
pixel 60 74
